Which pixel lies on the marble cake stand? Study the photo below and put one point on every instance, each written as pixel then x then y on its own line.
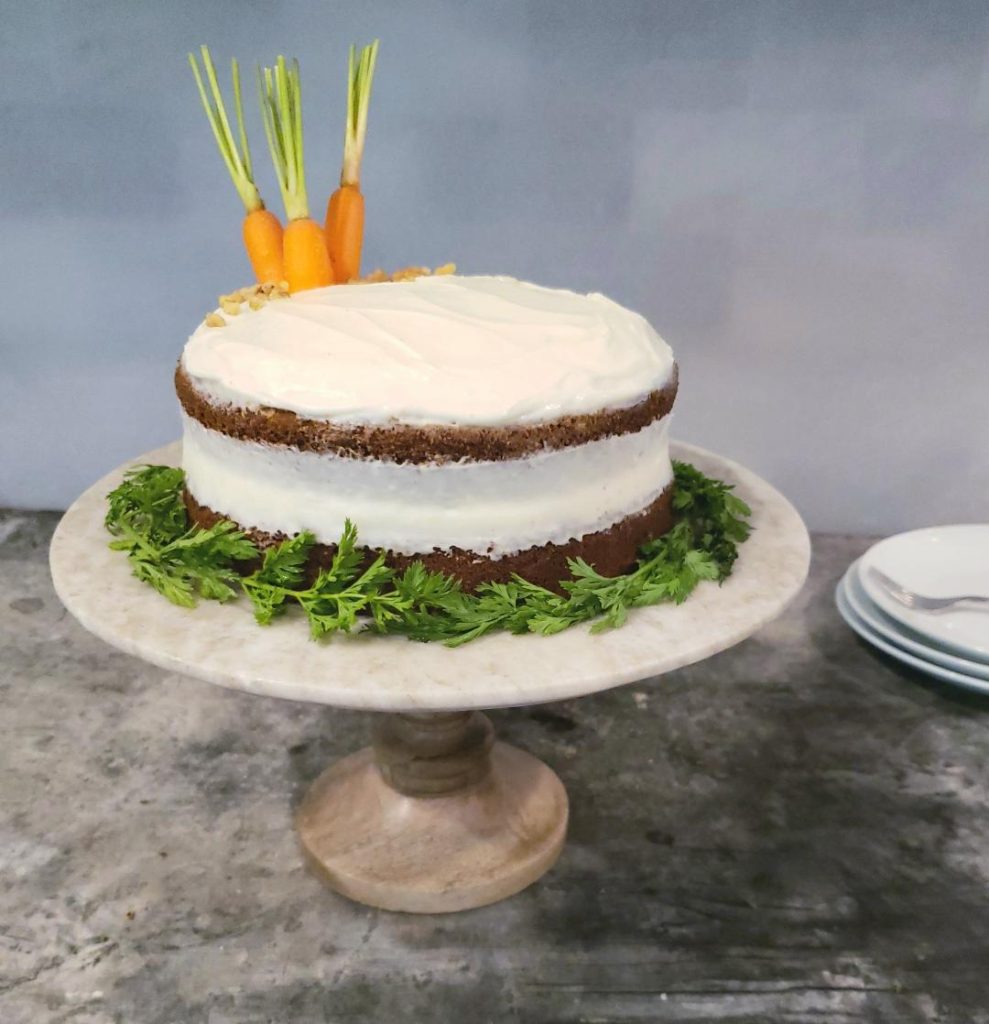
pixel 436 815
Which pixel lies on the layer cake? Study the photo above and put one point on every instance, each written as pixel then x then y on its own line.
pixel 483 425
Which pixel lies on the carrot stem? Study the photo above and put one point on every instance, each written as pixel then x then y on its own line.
pixel 280 94
pixel 360 77
pixel 235 151
pixel 245 149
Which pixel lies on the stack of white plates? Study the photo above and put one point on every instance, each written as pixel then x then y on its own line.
pixel 951 644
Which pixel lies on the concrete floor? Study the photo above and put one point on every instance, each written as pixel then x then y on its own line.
pixel 795 830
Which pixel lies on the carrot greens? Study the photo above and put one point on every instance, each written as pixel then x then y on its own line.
pixel 360 76
pixel 280 95
pixel 234 150
pixel 147 518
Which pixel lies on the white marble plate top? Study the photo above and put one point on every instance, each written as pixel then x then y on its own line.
pixel 222 643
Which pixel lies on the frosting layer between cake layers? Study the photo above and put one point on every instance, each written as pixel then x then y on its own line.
pixel 494 508
pixel 505 424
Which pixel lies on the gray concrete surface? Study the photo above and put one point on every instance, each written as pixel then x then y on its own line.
pixel 793 831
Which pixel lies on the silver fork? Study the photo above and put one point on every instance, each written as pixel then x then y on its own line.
pixel 921 602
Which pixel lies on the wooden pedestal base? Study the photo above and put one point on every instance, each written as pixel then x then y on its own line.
pixel 435 817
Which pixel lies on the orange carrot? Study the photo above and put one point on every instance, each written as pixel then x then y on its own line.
pixel 345 210
pixel 263 242
pixel 345 231
pixel 306 260
pixel 261 229
pixel 307 263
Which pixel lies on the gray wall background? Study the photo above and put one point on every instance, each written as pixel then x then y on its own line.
pixel 796 194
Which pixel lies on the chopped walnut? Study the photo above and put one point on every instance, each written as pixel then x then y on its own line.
pixel 404 274
pixel 257 296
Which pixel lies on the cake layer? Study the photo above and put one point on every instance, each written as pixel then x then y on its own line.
pixel 494 508
pixel 405 443
pixel 480 351
pixel 611 551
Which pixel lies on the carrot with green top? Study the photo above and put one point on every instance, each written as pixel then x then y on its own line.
pixel 345 210
pixel 307 262
pixel 261 229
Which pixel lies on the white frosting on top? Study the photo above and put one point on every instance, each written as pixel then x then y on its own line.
pixel 445 349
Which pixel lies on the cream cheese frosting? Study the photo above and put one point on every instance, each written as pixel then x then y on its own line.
pixel 492 508
pixel 434 350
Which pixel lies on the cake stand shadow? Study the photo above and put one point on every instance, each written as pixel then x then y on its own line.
pixel 436 815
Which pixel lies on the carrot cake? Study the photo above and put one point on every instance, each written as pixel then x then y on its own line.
pixel 483 425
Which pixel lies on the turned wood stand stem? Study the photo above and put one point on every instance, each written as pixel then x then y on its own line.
pixel 433 754
pixel 435 816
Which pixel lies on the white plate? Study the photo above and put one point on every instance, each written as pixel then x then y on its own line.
pixel 897 634
pixel 939 562
pixel 946 675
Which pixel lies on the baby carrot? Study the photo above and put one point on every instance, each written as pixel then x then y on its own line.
pixel 262 230
pixel 345 231
pixel 307 264
pixel 306 260
pixel 263 242
pixel 345 210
